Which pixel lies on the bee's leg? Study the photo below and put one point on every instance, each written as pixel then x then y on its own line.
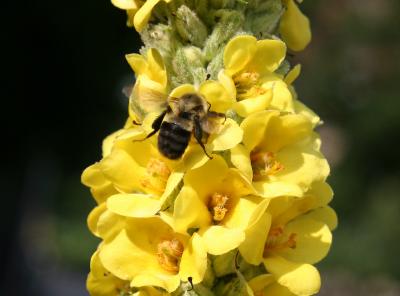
pixel 156 125
pixel 217 114
pixel 198 134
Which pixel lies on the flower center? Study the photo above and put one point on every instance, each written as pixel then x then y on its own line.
pixel 169 253
pixel 247 85
pixel 276 241
pixel 264 164
pixel 156 177
pixel 218 206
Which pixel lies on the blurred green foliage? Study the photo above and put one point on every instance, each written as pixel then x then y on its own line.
pixel 349 78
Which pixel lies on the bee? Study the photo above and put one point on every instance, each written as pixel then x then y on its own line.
pixel 184 116
pixel 180 119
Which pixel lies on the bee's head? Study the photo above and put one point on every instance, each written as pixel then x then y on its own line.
pixel 193 103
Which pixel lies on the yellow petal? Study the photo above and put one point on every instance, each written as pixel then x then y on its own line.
pixel 212 173
pixel 238 52
pixel 319 195
pixel 143 15
pixel 271 53
pixel 173 181
pixel 193 158
pixel 240 158
pixel 93 177
pixel 228 83
pixel 302 109
pixel 133 205
pixel 216 94
pixel 150 291
pixel 220 240
pixel 228 137
pixel 182 90
pixel 131 134
pixel 240 215
pixel 284 131
pixel 281 97
pixel 302 166
pixel 100 187
pixel 276 188
pixel 168 282
pixel 326 215
pixel 138 63
pixel 108 142
pixel 194 260
pixel 100 282
pixel 252 248
pixel 313 240
pixel 125 4
pixel 132 254
pixel 249 106
pixel 189 211
pixel 94 216
pixel 254 128
pixel 122 170
pixel 295 27
pixel 300 279
pixel 109 225
pixel 157 67
pixel 293 74
pixel 259 282
pixel 277 290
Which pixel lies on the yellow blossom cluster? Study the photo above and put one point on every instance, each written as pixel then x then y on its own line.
pixel 246 215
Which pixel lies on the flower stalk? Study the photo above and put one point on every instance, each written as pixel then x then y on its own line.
pixel 242 207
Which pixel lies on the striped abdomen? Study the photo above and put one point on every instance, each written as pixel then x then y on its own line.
pixel 173 140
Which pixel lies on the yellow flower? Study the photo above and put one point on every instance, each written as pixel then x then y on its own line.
pixel 280 154
pixel 101 282
pixel 216 200
pixel 249 75
pixel 142 177
pixel 295 27
pixel 139 11
pixel 266 285
pixel 147 252
pixel 299 107
pixel 297 235
pixel 150 91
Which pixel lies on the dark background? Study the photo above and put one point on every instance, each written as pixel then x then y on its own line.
pixel 63 71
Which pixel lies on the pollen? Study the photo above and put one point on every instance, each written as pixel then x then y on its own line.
pixel 246 79
pixel 277 241
pixel 156 177
pixel 247 85
pixel 264 164
pixel 158 168
pixel 169 253
pixel 218 206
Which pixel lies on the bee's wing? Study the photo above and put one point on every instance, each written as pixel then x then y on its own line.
pixel 212 122
pixel 174 104
pixel 127 90
pixel 144 100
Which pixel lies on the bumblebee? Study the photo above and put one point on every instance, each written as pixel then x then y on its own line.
pixel 184 116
